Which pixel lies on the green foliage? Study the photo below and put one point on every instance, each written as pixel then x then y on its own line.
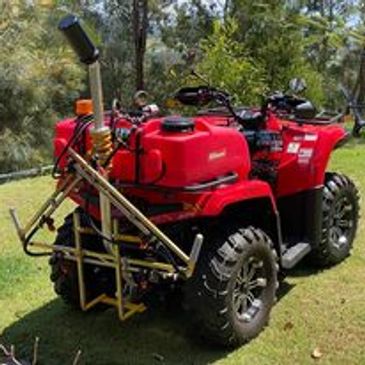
pixel 227 66
pixel 187 25
pixel 247 47
pixel 39 80
pixel 174 28
pixel 159 61
pixel 117 51
pixel 272 36
pixel 329 40
pixel 258 56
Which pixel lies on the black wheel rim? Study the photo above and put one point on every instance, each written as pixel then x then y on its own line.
pixel 249 286
pixel 342 223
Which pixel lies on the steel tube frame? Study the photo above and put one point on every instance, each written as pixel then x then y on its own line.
pixel 121 265
pixel 125 309
pixel 96 91
pixel 134 215
pixel 99 127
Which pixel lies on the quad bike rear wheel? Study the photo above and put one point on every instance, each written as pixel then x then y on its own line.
pixel 233 290
pixel 64 272
pixel 340 214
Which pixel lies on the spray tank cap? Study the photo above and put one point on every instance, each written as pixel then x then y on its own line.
pixel 178 125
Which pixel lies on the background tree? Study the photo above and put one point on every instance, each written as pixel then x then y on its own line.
pixel 126 25
pixel 248 48
pixel 140 29
pixel 226 64
pixel 39 79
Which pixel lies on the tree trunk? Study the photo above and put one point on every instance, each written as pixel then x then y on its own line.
pixel 360 82
pixel 140 28
pixel 226 9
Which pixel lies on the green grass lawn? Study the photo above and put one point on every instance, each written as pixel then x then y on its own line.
pixel 323 309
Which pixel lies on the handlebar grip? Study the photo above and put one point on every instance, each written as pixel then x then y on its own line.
pixel 78 39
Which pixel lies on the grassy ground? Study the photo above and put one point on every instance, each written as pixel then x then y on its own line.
pixel 317 309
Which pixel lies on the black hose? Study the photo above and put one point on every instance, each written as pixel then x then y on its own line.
pixel 159 177
pixel 120 144
pixel 160 248
pixel 92 224
pixel 82 124
pixel 167 255
pixel 26 244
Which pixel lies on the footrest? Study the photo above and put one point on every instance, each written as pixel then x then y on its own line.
pixel 294 254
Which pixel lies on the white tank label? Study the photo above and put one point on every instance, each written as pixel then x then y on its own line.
pixel 216 155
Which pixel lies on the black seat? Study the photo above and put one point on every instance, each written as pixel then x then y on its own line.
pixel 252 120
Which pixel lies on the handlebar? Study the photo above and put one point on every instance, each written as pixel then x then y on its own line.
pixel 203 95
pixel 80 42
pixel 195 96
pixel 283 101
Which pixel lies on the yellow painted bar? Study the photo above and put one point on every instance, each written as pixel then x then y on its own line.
pixel 79 261
pixel 107 258
pixel 119 284
pixel 127 238
pixel 133 308
pixel 124 205
pixel 94 302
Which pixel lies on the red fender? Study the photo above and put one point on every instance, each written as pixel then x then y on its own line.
pixel 303 167
pixel 328 142
pixel 231 194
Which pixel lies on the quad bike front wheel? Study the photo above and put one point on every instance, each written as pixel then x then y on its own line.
pixel 64 272
pixel 340 214
pixel 233 290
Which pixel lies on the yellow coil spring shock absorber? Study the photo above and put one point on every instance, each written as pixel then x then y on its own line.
pixel 102 146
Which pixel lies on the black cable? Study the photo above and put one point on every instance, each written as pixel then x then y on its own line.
pixel 120 144
pixel 114 151
pixel 26 244
pixel 159 177
pixel 92 224
pixel 168 256
pixel 113 123
pixel 79 130
pixel 81 126
pixel 99 233
pixel 160 248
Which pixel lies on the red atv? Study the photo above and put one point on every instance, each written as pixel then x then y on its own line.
pixel 217 204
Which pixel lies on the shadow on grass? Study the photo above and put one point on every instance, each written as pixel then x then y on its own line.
pixel 154 337
pixel 305 269
pixel 158 336
pixel 284 289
